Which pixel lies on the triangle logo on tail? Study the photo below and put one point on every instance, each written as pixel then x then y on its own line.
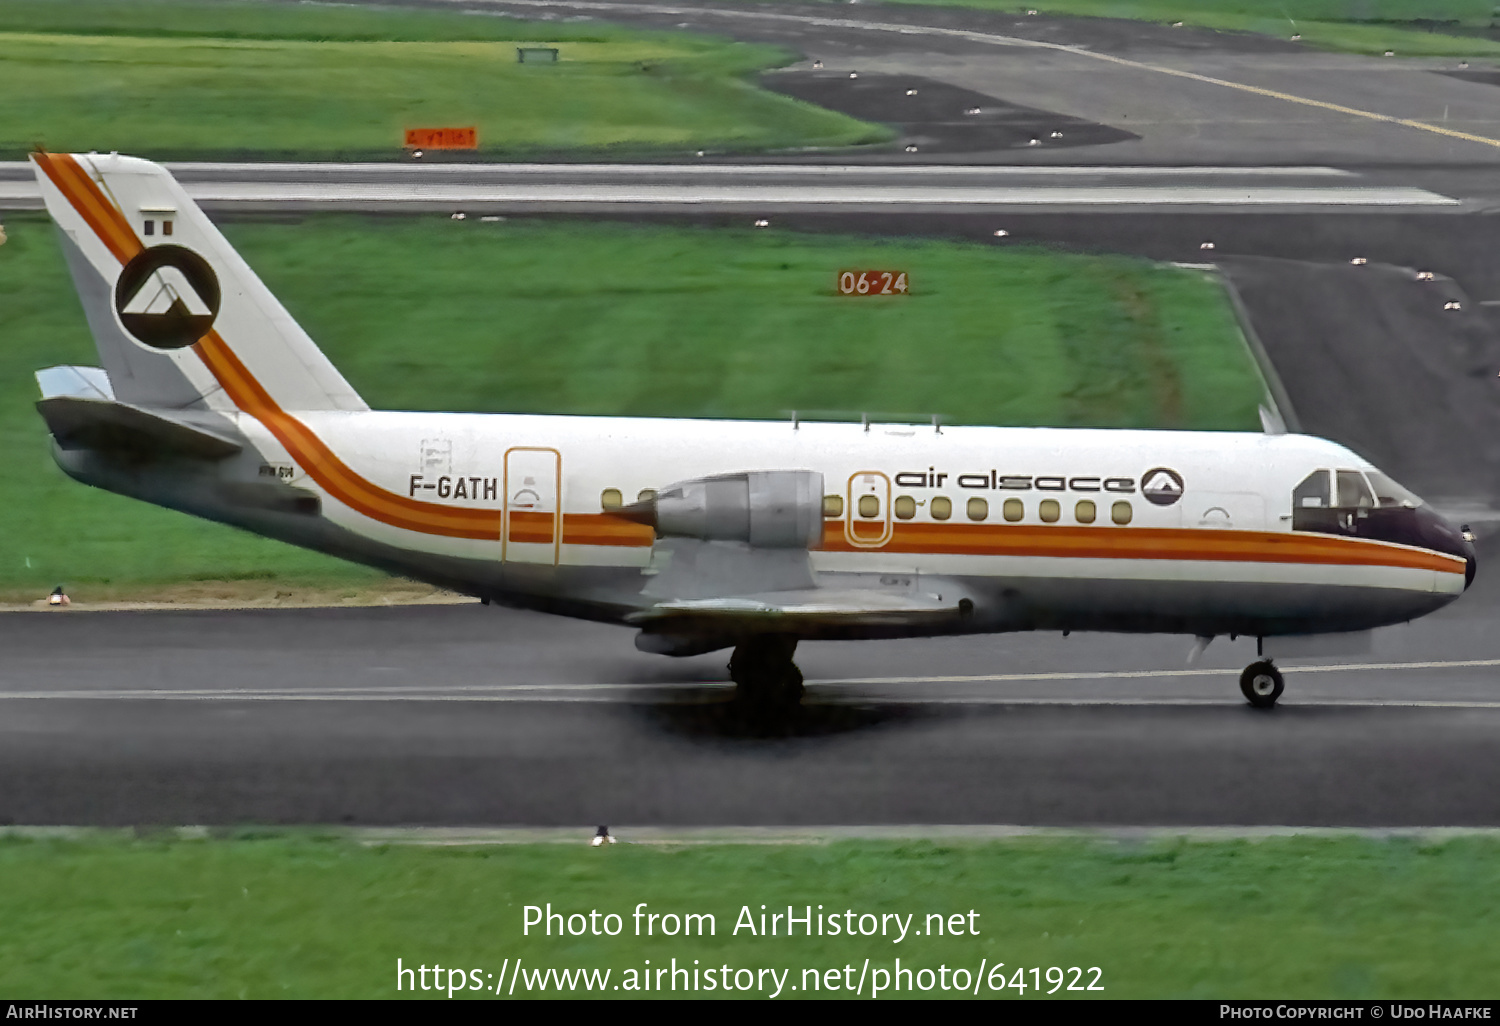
pixel 167 297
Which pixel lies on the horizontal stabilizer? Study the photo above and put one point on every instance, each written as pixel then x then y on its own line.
pixel 789 610
pixel 80 382
pixel 102 424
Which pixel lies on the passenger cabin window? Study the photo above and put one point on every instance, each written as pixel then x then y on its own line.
pixel 1049 510
pixel 869 506
pixel 646 495
pixel 905 507
pixel 611 498
pixel 833 506
pixel 1120 513
pixel 1084 512
pixel 942 508
pixel 978 508
pixel 1014 510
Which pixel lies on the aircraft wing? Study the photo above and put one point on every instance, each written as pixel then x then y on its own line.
pixel 790 610
pixel 79 422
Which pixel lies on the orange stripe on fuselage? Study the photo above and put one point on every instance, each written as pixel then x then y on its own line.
pixel 345 485
pixel 1145 543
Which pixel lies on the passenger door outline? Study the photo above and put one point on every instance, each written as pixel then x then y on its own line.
pixel 862 483
pixel 526 493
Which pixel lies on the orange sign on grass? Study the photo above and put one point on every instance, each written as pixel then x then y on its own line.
pixel 442 138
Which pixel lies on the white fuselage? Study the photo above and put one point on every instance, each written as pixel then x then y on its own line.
pixel 1044 527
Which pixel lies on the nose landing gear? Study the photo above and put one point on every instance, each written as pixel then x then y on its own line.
pixel 1262 684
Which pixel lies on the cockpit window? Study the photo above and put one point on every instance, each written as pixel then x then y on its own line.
pixel 1360 504
pixel 1353 492
pixel 1389 493
pixel 1312 493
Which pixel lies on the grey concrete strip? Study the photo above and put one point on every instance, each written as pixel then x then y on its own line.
pixel 821 835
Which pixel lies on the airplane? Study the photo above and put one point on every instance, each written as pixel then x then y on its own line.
pixel 705 535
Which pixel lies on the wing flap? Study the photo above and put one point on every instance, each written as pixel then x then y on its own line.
pixel 815 607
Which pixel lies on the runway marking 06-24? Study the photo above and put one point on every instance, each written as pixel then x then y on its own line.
pixel 1000 40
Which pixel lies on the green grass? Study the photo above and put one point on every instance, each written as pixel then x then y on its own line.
pixel 193 79
pixel 431 314
pixel 1355 26
pixel 294 916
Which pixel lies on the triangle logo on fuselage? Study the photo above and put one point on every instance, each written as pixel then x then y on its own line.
pixel 1161 486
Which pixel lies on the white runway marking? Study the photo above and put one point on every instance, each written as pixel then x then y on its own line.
pixel 760 196
pixel 1447 664
pixel 619 692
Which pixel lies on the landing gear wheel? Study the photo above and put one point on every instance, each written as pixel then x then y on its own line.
pixel 767 680
pixel 1262 684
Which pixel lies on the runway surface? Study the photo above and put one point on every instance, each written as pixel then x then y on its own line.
pixel 466 715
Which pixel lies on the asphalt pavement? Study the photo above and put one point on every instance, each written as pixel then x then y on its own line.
pixel 466 715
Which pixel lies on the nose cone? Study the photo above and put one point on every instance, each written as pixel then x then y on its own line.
pixel 1440 535
pixel 1471 567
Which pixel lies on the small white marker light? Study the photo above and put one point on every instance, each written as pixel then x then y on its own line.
pixel 1033 141
pixel 1055 135
pixel 1297 37
pixel 458 215
pixel 601 837
pixel 1452 304
pixel 911 149
pixel 1358 261
pixel 972 111
pixel 762 223
pixel 1390 53
pixel 417 154
pixel 1205 245
pixel 1424 276
pixel 1001 233
pixel 817 65
pixel 1177 24
pixel 58 597
pixel 911 92
pixel 853 74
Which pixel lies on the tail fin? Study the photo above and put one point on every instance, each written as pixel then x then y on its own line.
pixel 179 318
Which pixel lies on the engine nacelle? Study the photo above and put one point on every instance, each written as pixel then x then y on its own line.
pixel 769 509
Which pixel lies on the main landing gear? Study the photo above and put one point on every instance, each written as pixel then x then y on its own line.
pixel 767 681
pixel 1262 684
